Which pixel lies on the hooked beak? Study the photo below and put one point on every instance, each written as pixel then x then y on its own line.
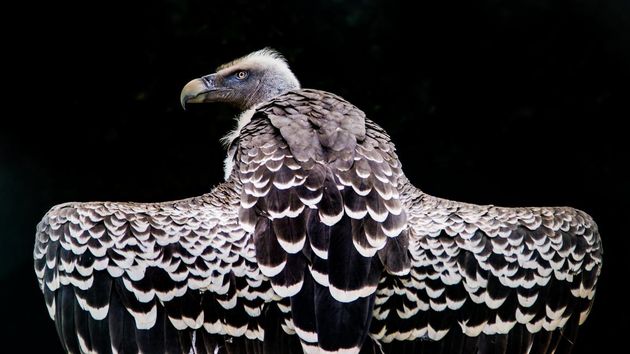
pixel 200 90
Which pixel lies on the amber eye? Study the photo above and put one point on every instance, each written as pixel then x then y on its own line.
pixel 241 75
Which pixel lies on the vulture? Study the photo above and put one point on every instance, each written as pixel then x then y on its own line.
pixel 315 243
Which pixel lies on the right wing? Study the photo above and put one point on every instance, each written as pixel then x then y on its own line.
pixel 488 279
pixel 164 277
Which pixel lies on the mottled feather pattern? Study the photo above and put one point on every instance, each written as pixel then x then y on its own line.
pixel 186 265
pixel 511 280
pixel 320 196
pixel 316 243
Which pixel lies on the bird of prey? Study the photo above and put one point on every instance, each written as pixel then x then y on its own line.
pixel 317 243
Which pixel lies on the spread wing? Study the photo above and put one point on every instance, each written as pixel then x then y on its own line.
pixel 316 236
pixel 490 279
pixel 167 277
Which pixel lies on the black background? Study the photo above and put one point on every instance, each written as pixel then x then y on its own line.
pixel 512 103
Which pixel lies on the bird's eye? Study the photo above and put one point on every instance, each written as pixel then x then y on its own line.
pixel 242 75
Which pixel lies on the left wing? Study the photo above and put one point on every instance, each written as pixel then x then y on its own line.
pixel 172 277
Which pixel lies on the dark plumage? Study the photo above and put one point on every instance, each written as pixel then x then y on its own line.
pixel 316 242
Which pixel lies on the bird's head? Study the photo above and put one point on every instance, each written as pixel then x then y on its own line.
pixel 244 82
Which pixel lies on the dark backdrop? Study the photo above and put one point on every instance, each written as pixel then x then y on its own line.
pixel 513 103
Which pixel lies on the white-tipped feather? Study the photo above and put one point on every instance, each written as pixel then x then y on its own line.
pixel 350 295
pixel 272 271
pixel 144 320
pixel 292 248
pixel 287 291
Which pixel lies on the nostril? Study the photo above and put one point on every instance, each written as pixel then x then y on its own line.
pixel 208 80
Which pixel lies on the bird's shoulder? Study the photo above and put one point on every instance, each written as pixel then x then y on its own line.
pixel 491 217
pixel 313 108
pixel 314 124
pixel 550 232
pixel 311 101
pixel 94 210
pixel 99 225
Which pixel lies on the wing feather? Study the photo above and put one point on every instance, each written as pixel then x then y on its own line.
pixel 128 277
pixel 510 279
pixel 316 233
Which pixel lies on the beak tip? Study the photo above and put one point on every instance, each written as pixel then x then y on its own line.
pixel 182 101
pixel 192 92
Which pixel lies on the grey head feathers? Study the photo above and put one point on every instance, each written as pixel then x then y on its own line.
pixel 245 83
pixel 267 75
pixel 262 54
